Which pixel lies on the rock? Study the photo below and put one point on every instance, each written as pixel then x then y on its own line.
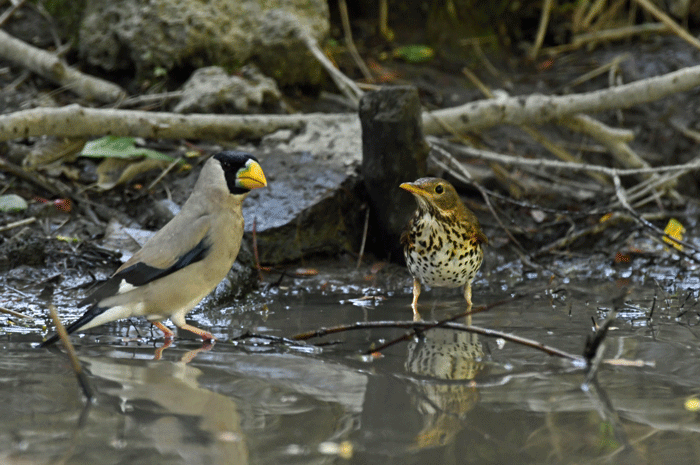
pixel 166 34
pixel 241 279
pixel 212 90
pixel 12 203
pixel 393 152
pixel 164 210
pixel 314 199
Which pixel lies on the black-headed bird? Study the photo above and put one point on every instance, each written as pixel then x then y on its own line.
pixel 186 259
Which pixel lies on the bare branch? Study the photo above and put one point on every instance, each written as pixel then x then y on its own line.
pixel 75 120
pixel 56 70
pixel 510 160
pixel 539 109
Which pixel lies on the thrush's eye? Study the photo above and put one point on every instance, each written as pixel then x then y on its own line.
pixel 439 189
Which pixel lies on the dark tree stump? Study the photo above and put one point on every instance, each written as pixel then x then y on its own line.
pixel 393 151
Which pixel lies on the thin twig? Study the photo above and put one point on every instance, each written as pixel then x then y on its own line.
pixel 421 326
pixel 17 224
pixel 542 28
pixel 510 160
pixel 10 11
pixel 267 337
pixel 415 332
pixel 607 35
pixel 255 249
pixel 345 84
pixel 150 98
pixel 619 191
pixel 14 313
pixel 664 18
pixel 570 238
pixel 466 175
pixel 364 239
pixel 70 350
pixel 163 173
pixel 350 44
pixel 598 71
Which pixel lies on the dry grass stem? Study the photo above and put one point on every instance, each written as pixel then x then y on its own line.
pixel 664 18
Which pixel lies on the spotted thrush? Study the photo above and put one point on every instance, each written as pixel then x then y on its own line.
pixel 443 240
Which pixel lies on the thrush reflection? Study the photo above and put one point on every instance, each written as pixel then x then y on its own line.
pixel 448 355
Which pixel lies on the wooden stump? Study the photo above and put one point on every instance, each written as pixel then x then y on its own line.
pixel 393 151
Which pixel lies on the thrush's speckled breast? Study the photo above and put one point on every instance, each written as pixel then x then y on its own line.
pixel 443 240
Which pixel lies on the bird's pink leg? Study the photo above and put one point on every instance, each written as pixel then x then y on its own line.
pixel 166 331
pixel 168 334
pixel 414 304
pixel 206 336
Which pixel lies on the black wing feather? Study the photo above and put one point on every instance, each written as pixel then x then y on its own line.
pixel 138 274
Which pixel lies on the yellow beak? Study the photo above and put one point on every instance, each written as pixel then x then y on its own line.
pixel 412 188
pixel 252 176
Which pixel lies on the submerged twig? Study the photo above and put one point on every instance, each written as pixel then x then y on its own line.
pixel 70 350
pixel 420 326
pixel 14 313
pixel 267 337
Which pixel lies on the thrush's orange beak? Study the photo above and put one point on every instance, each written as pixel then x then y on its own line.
pixel 413 188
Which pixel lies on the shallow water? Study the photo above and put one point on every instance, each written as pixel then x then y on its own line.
pixel 448 397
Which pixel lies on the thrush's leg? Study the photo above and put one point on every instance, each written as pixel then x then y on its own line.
pixel 468 298
pixel 199 332
pixel 414 304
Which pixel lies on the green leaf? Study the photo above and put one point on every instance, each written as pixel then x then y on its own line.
pixel 415 53
pixel 12 203
pixel 120 147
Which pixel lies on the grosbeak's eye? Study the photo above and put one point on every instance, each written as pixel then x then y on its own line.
pixel 439 189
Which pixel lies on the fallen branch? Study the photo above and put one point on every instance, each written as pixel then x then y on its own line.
pixel 56 70
pixel 17 224
pixel 539 109
pixel 346 85
pixel 509 160
pixel 420 326
pixel 609 35
pixel 75 120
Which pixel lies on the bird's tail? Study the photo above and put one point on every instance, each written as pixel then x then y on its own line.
pixel 88 316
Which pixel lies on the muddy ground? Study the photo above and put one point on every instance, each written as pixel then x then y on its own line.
pixel 444 398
